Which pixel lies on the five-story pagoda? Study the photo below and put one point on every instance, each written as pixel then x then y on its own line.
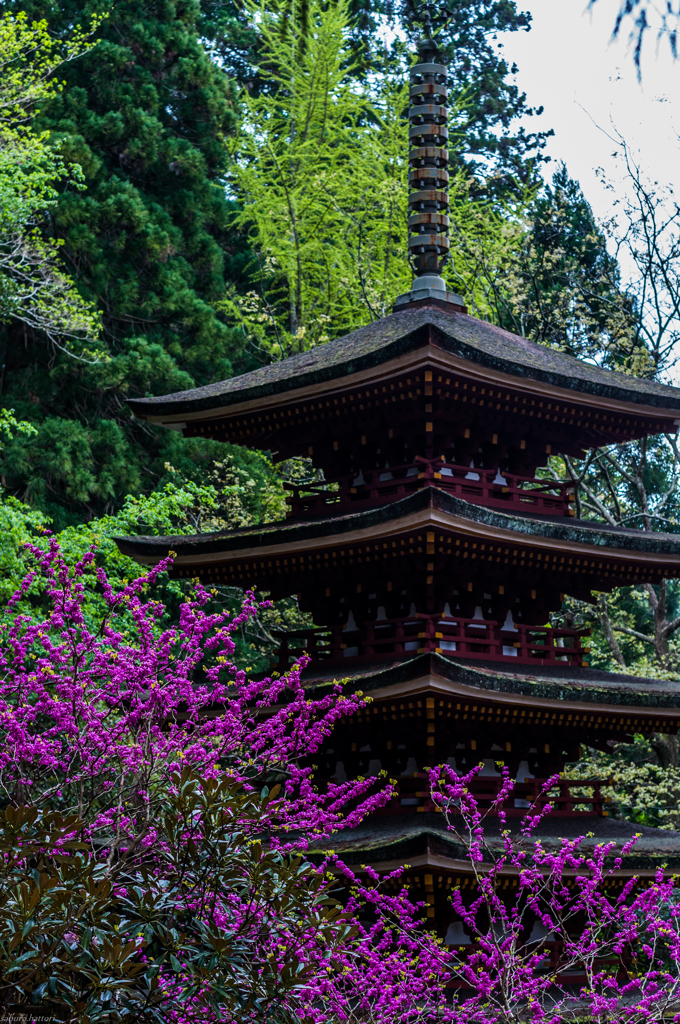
pixel 432 556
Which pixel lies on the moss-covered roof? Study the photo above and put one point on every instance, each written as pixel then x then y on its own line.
pixel 456 333
pixel 559 530
pixel 564 683
pixel 402 837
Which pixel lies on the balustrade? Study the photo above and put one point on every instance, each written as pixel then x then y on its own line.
pixel 480 486
pixel 570 797
pixel 462 638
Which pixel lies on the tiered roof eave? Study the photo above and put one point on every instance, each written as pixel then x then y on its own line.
pixel 429 507
pixel 407 339
pixel 555 692
pixel 423 841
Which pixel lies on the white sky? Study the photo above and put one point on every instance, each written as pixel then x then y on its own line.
pixel 569 64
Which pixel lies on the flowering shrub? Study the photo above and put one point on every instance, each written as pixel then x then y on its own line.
pixel 157 818
pixel 565 947
pixel 156 804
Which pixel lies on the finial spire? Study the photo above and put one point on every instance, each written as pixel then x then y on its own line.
pixel 428 199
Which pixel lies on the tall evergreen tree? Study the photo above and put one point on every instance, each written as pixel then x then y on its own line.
pixel 145 114
pixel 561 286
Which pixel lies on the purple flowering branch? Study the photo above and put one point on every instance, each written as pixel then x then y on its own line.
pixel 160 849
pixel 563 947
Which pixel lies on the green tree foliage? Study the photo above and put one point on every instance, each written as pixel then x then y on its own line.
pixel 644 779
pixel 179 507
pixel 176 509
pixel 243 488
pixel 632 326
pixel 34 289
pixel 321 175
pixel 145 114
pixel 497 152
pixel 568 289
pixel 633 485
pixel 561 285
pixel 19 525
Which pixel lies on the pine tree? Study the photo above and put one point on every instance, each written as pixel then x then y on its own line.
pixel 145 115
pixel 559 284
pixel 574 298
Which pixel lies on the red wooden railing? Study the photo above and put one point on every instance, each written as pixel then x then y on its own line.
pixel 479 486
pixel 569 797
pixel 462 638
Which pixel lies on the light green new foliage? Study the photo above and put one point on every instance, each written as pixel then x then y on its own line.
pixel 297 147
pixel 29 56
pixel 234 496
pixel 34 288
pixel 170 511
pixel 372 200
pixel 321 175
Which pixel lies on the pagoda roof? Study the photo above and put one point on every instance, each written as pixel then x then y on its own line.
pixel 428 507
pixel 455 339
pixel 549 687
pixel 386 841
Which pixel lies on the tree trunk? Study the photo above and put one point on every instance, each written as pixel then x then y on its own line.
pixel 666 748
pixel 657 600
pixel 610 635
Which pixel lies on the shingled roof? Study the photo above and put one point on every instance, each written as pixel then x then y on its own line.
pixel 387 841
pixel 404 332
pixel 289 532
pixel 556 684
